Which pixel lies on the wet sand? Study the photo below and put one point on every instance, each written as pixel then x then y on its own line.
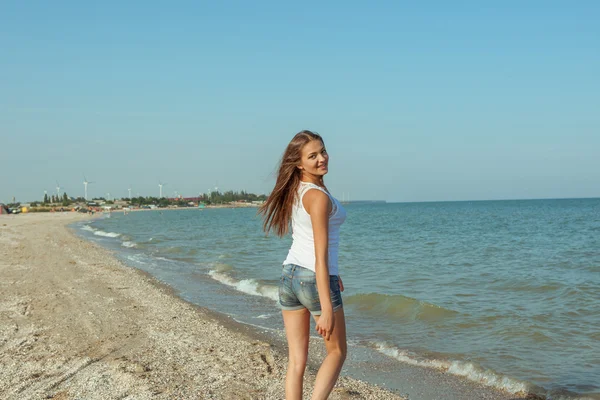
pixel 75 323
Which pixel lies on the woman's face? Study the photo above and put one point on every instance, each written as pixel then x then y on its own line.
pixel 314 159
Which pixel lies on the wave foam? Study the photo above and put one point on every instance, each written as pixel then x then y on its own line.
pixel 129 244
pixel 264 316
pixel 248 286
pixel 467 370
pixel 136 258
pixel 87 228
pixel 107 234
pixel 164 259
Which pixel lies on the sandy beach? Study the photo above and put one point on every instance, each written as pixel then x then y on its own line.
pixel 77 324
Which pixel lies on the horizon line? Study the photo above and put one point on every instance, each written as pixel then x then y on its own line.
pixel 505 199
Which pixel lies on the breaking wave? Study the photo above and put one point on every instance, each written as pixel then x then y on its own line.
pixel 398 307
pixel 248 286
pixel 467 370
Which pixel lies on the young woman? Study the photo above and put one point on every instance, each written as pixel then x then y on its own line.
pixel 310 283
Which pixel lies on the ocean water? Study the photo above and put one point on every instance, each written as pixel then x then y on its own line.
pixel 506 293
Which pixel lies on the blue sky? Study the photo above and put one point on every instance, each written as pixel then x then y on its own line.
pixel 438 100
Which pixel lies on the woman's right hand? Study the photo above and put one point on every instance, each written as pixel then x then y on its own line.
pixel 325 324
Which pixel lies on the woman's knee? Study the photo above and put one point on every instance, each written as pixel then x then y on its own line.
pixel 339 351
pixel 297 364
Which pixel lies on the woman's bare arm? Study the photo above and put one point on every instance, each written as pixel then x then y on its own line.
pixel 318 205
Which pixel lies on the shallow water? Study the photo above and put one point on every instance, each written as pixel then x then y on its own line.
pixel 501 292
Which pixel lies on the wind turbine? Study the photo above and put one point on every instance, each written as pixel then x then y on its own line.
pixel 129 190
pixel 160 186
pixel 85 183
pixel 57 189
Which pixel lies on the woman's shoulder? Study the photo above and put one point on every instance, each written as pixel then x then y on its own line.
pixel 316 199
pixel 311 189
pixel 318 193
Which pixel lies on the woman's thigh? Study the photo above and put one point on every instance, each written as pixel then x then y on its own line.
pixel 297 328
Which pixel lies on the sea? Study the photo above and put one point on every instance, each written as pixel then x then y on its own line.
pixel 503 293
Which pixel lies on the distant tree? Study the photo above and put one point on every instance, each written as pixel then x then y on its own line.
pixel 164 202
pixel 46 198
pixel 215 197
pixel 65 201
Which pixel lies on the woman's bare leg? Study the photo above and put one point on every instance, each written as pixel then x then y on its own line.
pixel 297 326
pixel 336 355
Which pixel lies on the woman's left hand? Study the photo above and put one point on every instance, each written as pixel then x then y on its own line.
pixel 341 283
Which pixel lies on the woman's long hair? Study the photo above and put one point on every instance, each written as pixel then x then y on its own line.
pixel 277 209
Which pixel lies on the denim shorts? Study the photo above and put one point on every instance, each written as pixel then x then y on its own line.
pixel 298 290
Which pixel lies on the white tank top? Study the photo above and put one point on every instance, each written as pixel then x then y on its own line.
pixel 302 252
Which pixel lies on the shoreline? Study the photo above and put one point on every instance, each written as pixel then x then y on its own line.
pixel 77 323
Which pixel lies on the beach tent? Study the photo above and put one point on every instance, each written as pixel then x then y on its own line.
pixel 3 209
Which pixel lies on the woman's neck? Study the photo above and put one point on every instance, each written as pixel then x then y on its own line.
pixel 315 180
